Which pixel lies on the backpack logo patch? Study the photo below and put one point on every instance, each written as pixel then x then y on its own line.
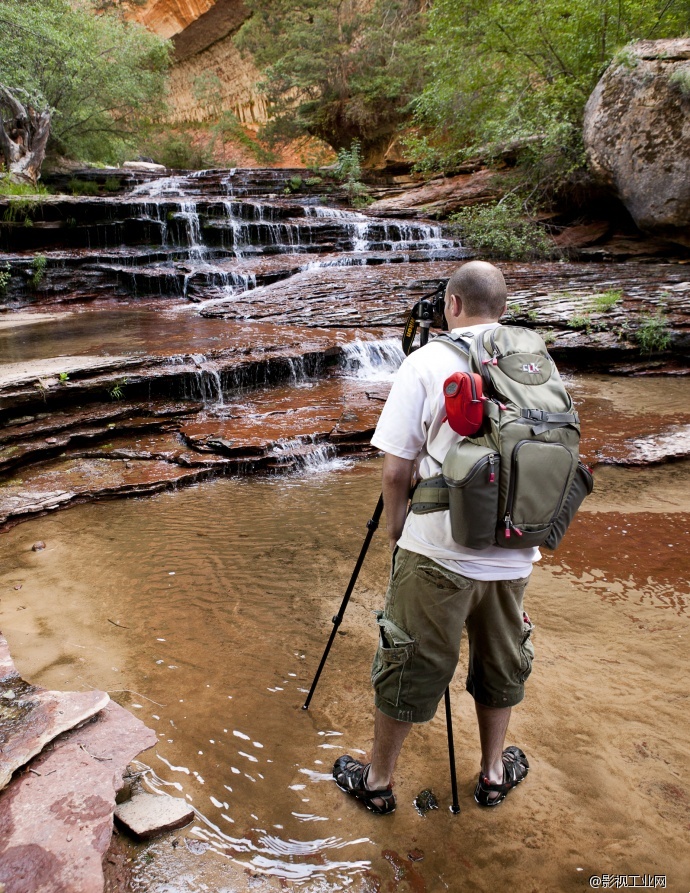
pixel 532 368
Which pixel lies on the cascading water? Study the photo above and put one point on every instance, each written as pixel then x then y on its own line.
pixel 210 384
pixel 372 360
pixel 306 454
pixel 188 212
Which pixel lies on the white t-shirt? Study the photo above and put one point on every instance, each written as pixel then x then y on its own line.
pixel 411 426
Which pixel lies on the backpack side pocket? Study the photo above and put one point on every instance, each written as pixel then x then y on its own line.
pixel 471 472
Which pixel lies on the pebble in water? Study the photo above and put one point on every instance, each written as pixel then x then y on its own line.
pixel 425 800
pixel 38 547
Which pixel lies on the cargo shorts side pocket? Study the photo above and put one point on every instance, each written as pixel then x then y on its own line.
pixel 392 655
pixel 526 648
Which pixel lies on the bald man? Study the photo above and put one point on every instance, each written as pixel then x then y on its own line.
pixel 437 587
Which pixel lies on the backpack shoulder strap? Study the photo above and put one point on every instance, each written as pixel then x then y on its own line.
pixel 458 341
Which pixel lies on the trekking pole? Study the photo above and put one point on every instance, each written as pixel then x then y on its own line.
pixel 372 524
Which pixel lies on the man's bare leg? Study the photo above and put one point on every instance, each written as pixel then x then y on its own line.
pixel 493 726
pixel 389 736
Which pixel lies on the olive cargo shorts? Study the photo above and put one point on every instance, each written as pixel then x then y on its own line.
pixel 419 639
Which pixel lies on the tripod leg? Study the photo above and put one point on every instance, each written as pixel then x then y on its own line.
pixel 455 806
pixel 372 524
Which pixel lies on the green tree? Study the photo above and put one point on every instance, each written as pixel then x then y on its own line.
pixel 339 70
pixel 520 73
pixel 101 76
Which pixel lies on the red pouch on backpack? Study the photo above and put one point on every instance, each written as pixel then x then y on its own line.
pixel 464 402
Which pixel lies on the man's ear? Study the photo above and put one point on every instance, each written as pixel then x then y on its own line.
pixel 456 305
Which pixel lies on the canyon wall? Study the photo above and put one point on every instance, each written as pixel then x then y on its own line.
pixel 209 74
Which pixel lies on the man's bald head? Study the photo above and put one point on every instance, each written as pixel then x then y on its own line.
pixel 481 288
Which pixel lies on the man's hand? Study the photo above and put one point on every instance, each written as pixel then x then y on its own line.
pixel 397 477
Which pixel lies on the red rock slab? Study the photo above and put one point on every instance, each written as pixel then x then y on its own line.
pixel 548 294
pixel 56 819
pixel 666 446
pixel 443 196
pixel 65 482
pixel 583 235
pixel 147 815
pixel 111 415
pixel 30 717
pixel 332 409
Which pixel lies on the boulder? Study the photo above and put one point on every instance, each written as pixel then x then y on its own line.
pixel 637 134
pixel 148 166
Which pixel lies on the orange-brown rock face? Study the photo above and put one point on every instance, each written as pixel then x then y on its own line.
pixel 202 32
pixel 169 17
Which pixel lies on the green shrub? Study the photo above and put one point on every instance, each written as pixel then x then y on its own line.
pixel 38 270
pixel 112 184
pixel 83 187
pixel 582 321
pixel 348 171
pixel 680 78
pixel 313 181
pixel 294 184
pixel 502 230
pixel 5 276
pixel 653 334
pixel 20 210
pixel 117 391
pixel 178 150
pixel 606 300
pixel 8 187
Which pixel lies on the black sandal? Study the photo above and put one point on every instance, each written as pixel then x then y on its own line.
pixel 351 776
pixel 515 768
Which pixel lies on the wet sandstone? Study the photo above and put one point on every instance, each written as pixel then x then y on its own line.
pixel 204 325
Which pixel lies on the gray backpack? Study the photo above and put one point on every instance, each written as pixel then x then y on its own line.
pixel 518 482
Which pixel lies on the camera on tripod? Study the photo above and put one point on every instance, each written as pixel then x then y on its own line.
pixel 426 312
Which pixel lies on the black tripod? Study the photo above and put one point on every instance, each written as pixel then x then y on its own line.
pixel 422 316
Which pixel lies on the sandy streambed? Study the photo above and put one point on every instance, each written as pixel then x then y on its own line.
pixel 205 613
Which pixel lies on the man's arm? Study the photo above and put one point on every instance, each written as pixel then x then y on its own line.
pixel 397 478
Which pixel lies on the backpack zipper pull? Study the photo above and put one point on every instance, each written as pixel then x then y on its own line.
pixel 510 527
pixel 492 475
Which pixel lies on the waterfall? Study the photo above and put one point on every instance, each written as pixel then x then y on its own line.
pixel 305 453
pixel 372 360
pixel 188 212
pixel 207 381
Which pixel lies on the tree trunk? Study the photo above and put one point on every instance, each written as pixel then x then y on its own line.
pixel 23 137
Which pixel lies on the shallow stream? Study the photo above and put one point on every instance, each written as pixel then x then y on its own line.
pixel 205 611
